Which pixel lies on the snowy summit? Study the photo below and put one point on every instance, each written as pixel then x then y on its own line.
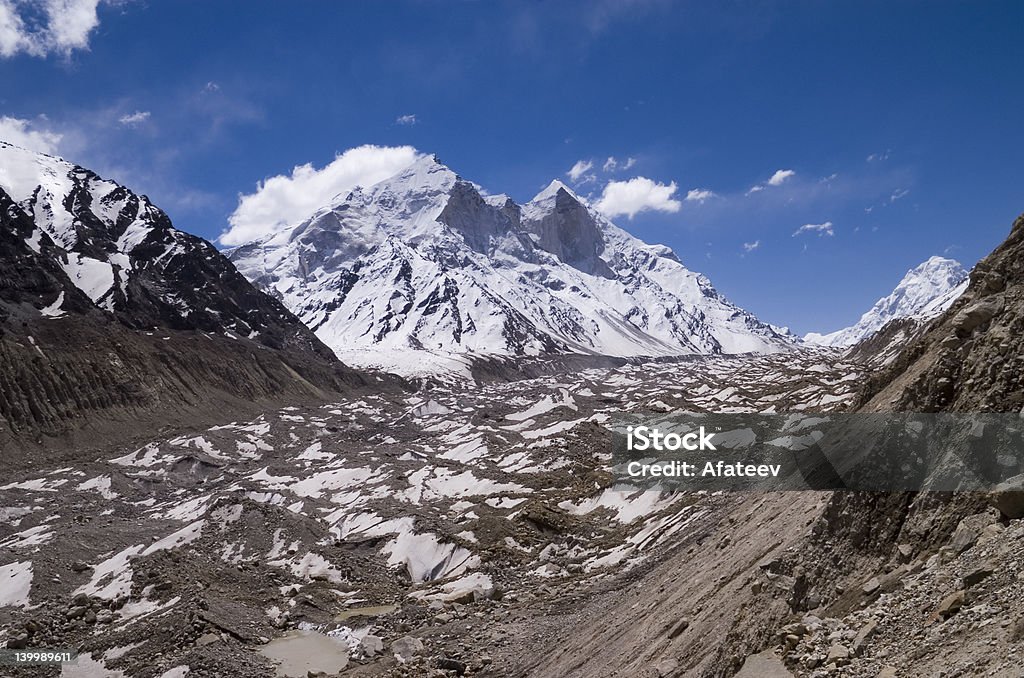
pixel 425 268
pixel 925 291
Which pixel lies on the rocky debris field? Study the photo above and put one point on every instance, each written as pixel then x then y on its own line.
pixel 391 534
pixel 952 612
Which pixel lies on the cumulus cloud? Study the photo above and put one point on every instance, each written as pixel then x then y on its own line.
pixel 636 195
pixel 820 229
pixel 577 171
pixel 284 200
pixel 751 246
pixel 28 134
pixel 133 119
pixel 699 195
pixel 407 120
pixel 46 26
pixel 780 177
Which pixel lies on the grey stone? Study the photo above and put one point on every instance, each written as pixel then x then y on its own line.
pixel 978 575
pixel 838 655
pixel 372 645
pixel 406 647
pixel 207 639
pixel 1008 497
pixel 862 637
pixel 951 604
pixel 975 315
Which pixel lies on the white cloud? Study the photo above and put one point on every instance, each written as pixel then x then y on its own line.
pixel 699 195
pixel 283 200
pixel 579 169
pixel 878 157
pixel 897 194
pixel 409 119
pixel 751 246
pixel 612 164
pixel 133 119
pixel 820 229
pixel 30 135
pixel 63 26
pixel 636 195
pixel 12 30
pixel 780 176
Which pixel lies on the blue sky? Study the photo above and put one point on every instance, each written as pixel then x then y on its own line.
pixel 900 121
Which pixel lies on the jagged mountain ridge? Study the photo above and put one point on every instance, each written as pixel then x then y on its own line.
pixel 925 292
pixel 426 263
pixel 108 311
pixel 120 253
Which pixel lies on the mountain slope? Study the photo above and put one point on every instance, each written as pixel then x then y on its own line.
pixel 424 264
pixel 105 306
pixel 924 292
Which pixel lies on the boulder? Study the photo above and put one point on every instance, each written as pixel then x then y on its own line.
pixel 838 655
pixel 951 604
pixel 372 645
pixel 1008 497
pixel 975 315
pixel 406 647
pixel 978 575
pixel 207 639
pixel 862 637
pixel 968 531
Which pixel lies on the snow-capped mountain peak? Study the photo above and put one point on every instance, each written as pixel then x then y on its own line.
pixel 427 261
pixel 924 292
pixel 551 191
pixel 74 242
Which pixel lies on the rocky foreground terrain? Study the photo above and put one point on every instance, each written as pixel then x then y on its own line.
pixel 415 534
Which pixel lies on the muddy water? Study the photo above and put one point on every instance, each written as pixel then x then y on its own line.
pixel 299 652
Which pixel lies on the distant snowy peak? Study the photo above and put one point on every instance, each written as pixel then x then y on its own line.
pixel 426 261
pixel 925 292
pixel 74 242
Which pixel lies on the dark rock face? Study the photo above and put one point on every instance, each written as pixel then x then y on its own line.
pixel 175 280
pixel 177 327
pixel 570 233
pixel 481 225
